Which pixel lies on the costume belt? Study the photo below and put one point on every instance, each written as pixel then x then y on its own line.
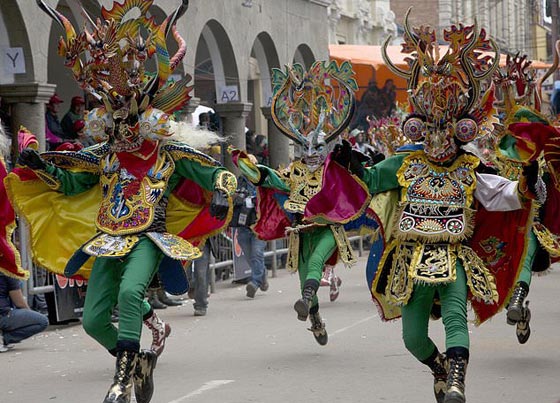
pixel 409 263
pixel 105 245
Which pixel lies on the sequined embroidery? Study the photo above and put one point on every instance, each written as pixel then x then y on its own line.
pixel 436 201
pixel 110 246
pixel 174 246
pixel 304 184
pixel 128 203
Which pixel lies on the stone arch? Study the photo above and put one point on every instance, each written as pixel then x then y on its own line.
pixel 13 33
pixel 215 65
pixel 266 55
pixel 304 56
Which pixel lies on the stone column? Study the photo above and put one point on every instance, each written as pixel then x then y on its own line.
pixel 28 102
pixel 233 115
pixel 278 144
pixel 190 108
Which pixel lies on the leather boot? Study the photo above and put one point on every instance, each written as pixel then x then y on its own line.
pixel 144 376
pixel 458 361
pixel 163 297
pixel 153 299
pixel 515 308
pixel 437 362
pixel 119 392
pixel 318 328
pixel 160 330
pixel 303 304
pixel 523 330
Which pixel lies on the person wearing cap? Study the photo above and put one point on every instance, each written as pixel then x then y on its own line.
pixel 53 130
pixel 75 113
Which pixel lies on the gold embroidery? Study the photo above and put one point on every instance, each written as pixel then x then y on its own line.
pixel 127 208
pixel 174 246
pixel 345 250
pixel 110 246
pixel 547 239
pixel 436 264
pixel 304 184
pixel 399 282
pixel 226 182
pixel 292 260
pixel 479 279
pixel 436 201
pixel 50 180
pixel 416 263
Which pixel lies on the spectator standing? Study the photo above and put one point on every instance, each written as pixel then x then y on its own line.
pixel 368 106
pixel 17 321
pixel 388 95
pixel 75 113
pixel 244 215
pixel 199 278
pixel 53 130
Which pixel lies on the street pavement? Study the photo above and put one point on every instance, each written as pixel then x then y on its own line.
pixel 255 350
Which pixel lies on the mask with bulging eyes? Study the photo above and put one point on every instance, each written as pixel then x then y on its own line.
pixel 315 151
pixel 439 140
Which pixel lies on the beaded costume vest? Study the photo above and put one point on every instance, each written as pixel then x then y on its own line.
pixel 304 184
pixel 130 204
pixel 435 201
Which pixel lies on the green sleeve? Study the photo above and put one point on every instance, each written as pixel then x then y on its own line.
pixel 508 147
pixel 273 179
pixel 383 176
pixel 68 182
pixel 202 174
pixel 254 173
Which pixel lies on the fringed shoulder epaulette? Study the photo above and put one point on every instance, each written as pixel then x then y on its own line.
pixel 87 159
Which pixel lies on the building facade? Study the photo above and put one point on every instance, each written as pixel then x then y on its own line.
pixel 360 22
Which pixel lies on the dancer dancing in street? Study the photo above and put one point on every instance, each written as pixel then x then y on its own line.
pixel 313 197
pixel 138 202
pixel 444 205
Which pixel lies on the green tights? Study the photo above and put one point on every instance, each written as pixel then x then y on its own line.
pixel 416 315
pixel 120 281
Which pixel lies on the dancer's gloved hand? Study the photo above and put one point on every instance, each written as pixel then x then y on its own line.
pixel 219 206
pixel 342 153
pixel 533 182
pixel 357 160
pixel 31 158
pixel 375 156
pixel 350 159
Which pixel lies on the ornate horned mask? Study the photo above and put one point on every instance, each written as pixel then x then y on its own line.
pixel 448 106
pixel 313 107
pixel 108 59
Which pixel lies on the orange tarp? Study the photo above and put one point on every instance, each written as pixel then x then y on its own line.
pixel 368 64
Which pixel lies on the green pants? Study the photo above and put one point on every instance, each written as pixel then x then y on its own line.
pixel 416 315
pixel 316 247
pixel 120 281
pixel 526 273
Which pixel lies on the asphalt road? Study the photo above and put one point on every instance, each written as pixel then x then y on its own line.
pixel 257 351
